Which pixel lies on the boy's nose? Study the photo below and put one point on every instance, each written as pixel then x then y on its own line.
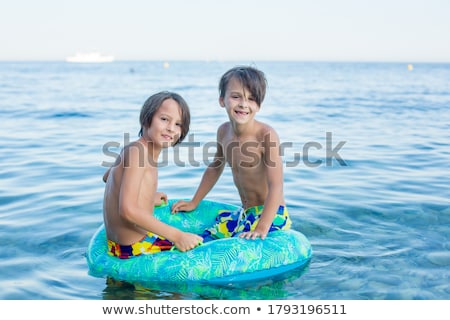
pixel 171 127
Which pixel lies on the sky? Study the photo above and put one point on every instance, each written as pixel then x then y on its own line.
pixel 165 30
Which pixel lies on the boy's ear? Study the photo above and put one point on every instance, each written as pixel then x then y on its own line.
pixel 222 104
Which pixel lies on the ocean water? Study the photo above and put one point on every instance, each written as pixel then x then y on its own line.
pixel 366 160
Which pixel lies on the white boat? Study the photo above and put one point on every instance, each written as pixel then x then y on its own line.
pixel 90 57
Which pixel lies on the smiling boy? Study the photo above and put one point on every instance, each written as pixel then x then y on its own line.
pixel 131 183
pixel 252 149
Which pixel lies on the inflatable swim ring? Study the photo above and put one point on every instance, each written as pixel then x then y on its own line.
pixel 223 262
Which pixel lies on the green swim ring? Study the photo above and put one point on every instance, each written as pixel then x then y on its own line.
pixel 223 262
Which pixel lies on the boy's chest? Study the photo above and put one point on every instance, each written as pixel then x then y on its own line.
pixel 242 153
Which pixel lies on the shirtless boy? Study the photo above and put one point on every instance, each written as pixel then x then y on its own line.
pixel 131 183
pixel 252 150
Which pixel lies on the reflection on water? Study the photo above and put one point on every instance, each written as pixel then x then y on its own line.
pixel 269 289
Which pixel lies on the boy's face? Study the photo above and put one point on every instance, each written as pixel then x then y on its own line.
pixel 239 102
pixel 165 129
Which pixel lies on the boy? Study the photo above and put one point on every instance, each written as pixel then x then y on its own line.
pixel 252 149
pixel 131 184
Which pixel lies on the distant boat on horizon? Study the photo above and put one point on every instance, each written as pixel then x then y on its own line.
pixel 90 57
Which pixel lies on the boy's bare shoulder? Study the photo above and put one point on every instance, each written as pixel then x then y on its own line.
pixel 265 129
pixel 133 150
pixel 223 128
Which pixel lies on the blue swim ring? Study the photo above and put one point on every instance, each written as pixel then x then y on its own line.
pixel 223 262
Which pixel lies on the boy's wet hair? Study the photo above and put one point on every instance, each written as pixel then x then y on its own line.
pixel 154 102
pixel 251 78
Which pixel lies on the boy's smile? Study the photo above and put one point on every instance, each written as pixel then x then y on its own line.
pixel 167 137
pixel 241 113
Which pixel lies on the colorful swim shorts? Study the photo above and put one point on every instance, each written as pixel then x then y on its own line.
pixel 230 223
pixel 150 244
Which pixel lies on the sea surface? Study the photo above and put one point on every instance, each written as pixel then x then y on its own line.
pixel 366 161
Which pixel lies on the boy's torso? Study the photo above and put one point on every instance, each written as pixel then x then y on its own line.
pixel 245 155
pixel 117 228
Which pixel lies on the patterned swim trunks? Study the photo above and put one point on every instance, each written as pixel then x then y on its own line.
pixel 231 223
pixel 150 244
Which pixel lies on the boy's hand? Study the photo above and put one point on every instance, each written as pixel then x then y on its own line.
pixel 160 198
pixel 188 241
pixel 253 235
pixel 183 206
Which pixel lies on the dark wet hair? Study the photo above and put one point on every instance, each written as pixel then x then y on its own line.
pixel 251 78
pixel 154 102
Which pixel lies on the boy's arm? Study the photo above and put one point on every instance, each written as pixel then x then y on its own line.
pixel 161 198
pixel 274 173
pixel 106 174
pixel 209 179
pixel 131 211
